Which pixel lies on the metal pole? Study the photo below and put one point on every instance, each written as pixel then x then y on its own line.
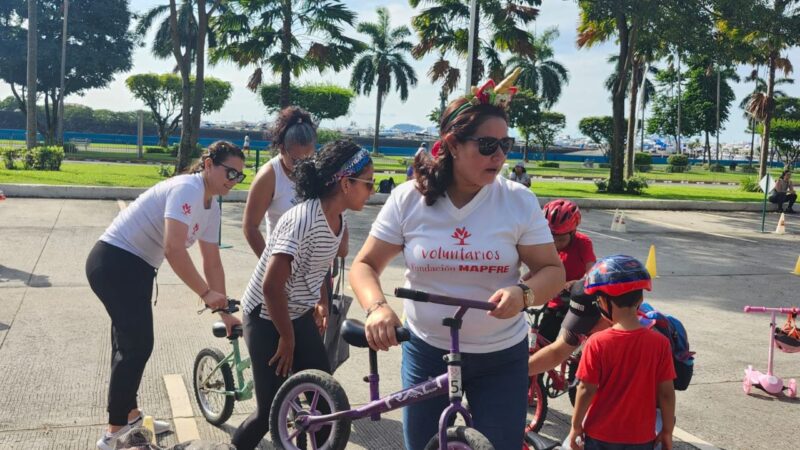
pixel 718 82
pixel 678 148
pixel 219 239
pixel 60 126
pixel 140 134
pixel 764 206
pixel 473 20
pixel 643 93
pixel 31 139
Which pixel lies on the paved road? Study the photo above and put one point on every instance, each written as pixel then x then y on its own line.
pixel 54 334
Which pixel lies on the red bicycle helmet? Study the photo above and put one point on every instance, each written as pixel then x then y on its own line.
pixel 563 215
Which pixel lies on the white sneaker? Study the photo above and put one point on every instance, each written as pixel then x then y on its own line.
pixel 159 426
pixel 107 441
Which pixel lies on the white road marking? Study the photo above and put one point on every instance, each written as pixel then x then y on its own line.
pixel 182 414
pixel 122 205
pixel 692 440
pixel 681 227
pixel 605 235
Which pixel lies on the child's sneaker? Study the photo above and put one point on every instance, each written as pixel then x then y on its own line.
pixel 159 426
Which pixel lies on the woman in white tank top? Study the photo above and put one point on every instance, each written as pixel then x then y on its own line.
pixel 273 190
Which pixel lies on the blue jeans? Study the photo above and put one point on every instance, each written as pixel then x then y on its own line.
pixel 496 385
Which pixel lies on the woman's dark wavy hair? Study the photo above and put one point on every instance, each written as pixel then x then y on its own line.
pixel 294 126
pixel 314 176
pixel 434 175
pixel 785 172
pixel 217 152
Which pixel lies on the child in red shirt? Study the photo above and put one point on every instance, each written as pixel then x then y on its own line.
pixel 626 370
pixel 577 255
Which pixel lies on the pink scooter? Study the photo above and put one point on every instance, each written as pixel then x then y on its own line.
pixel 768 381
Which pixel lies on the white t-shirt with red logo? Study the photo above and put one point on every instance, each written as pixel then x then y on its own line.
pixel 468 253
pixel 139 228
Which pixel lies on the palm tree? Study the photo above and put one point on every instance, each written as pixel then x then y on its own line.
pixel 30 107
pixel 443 28
pixel 384 60
pixel 759 89
pixel 288 36
pixel 161 47
pixel 540 73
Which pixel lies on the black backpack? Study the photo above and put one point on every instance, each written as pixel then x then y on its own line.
pixel 386 186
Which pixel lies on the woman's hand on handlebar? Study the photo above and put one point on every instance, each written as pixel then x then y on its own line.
pixel 380 327
pixel 230 321
pixel 215 300
pixel 509 300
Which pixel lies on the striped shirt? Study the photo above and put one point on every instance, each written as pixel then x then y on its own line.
pixel 304 234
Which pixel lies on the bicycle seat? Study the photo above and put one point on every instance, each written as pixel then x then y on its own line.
pixel 220 331
pixel 539 442
pixel 353 333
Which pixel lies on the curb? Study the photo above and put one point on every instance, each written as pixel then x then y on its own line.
pixel 123 193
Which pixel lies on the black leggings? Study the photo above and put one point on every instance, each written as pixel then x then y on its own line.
pixel 779 198
pixel 124 283
pixel 262 337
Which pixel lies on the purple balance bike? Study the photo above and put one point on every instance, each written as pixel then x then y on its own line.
pixel 311 406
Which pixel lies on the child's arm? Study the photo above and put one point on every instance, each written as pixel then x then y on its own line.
pixel 583 399
pixel 666 401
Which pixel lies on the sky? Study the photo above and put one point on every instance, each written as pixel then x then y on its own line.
pixel 583 96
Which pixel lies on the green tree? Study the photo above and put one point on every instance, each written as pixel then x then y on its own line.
pixel 540 73
pixel 599 130
pixel 323 101
pixel 162 95
pixel 443 29
pixel 384 60
pixel 158 17
pixel 290 37
pixel 546 128
pixel 767 28
pixel 786 136
pixel 99 47
pixel 522 113
pixel 701 99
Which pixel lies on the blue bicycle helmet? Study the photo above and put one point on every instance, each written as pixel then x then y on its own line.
pixel 617 275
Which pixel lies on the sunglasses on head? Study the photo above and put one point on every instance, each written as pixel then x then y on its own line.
pixel 370 183
pixel 232 174
pixel 488 145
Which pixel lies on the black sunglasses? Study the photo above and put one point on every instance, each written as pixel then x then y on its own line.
pixel 232 174
pixel 488 145
pixel 370 183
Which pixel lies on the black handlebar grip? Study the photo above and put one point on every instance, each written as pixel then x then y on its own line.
pixel 411 294
pixel 402 334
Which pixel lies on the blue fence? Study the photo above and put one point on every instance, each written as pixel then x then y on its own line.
pixel 130 140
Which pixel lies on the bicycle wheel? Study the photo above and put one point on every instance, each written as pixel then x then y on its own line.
pixel 215 406
pixel 461 438
pixel 537 403
pixel 309 393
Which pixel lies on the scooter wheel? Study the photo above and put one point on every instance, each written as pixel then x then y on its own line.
pixel 791 391
pixel 746 384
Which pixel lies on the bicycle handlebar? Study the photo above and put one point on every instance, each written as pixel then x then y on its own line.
pixel 420 296
pixel 764 309
pixel 233 306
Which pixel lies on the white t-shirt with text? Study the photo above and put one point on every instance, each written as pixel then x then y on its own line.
pixel 466 252
pixel 139 228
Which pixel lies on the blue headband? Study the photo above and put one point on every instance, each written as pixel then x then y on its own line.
pixel 353 166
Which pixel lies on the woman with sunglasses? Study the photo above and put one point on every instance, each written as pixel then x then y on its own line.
pixel 281 298
pixel 161 223
pixel 463 232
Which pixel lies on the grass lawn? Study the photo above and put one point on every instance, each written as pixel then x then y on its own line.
pixel 131 175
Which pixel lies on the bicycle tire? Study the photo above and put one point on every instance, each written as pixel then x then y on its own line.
pixel 537 403
pixel 461 438
pixel 329 390
pixel 215 415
